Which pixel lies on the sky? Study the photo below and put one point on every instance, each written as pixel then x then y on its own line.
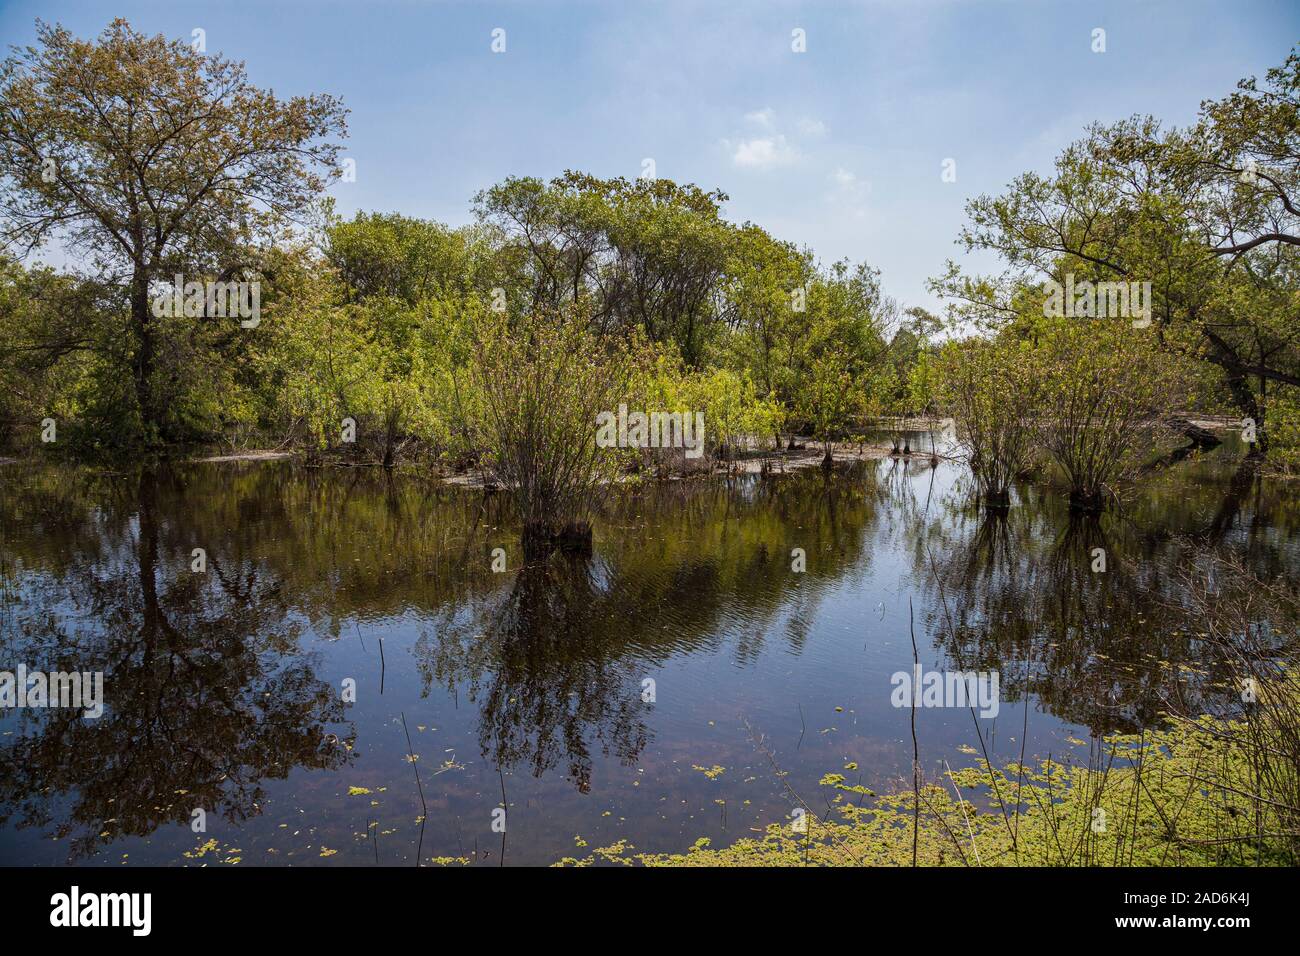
pixel 840 147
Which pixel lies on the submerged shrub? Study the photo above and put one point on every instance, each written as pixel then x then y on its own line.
pixel 542 382
pixel 988 388
pixel 1102 387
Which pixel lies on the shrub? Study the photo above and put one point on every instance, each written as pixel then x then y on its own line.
pixel 988 388
pixel 542 382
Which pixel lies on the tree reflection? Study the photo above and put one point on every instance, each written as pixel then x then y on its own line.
pixel 1088 614
pixel 210 695
pixel 556 659
pixel 206 693
pixel 557 687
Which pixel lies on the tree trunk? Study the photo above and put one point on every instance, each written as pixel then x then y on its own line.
pixel 1244 397
pixel 997 500
pixel 1090 502
pixel 1201 438
pixel 538 540
pixel 142 361
pixel 575 538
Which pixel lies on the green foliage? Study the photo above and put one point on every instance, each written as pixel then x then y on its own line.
pixel 1190 794
pixel 1102 385
pixel 379 256
pixel 205 188
pixel 734 411
pixel 841 363
pixel 387 364
pixel 60 355
pixel 647 255
pixel 373 318
pixel 991 389
pixel 543 383
pixel 1207 215
pixel 1284 424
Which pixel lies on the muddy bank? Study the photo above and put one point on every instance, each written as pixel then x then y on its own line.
pixel 250 456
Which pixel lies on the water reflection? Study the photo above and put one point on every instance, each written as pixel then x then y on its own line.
pixel 207 693
pixel 548 684
pixel 1090 615
pixel 220 684
pixel 557 660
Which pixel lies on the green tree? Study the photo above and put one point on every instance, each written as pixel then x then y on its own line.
pixel 1103 388
pixel 60 355
pixel 542 382
pixel 150 160
pixel 842 361
pixel 767 289
pixel 1209 215
pixel 388 255
pixel 647 254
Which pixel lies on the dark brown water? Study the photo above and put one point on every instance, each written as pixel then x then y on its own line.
pixel 224 689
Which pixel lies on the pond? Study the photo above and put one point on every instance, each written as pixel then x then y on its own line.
pixel 687 680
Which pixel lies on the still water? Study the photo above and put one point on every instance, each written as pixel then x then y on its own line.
pixel 680 683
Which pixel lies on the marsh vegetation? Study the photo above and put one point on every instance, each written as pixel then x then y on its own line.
pixel 1100 505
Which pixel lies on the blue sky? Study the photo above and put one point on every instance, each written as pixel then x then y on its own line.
pixel 839 148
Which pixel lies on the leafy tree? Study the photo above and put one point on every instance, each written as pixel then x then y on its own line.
pixel 648 254
pixel 842 362
pixel 150 159
pixel 766 280
pixel 60 351
pixel 1102 392
pixel 1208 215
pixel 734 410
pixel 388 255
pixel 828 399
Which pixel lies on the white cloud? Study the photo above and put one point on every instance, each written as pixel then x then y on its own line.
pixel 771 148
pixel 809 126
pixel 850 192
pixel 846 179
pixel 764 152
